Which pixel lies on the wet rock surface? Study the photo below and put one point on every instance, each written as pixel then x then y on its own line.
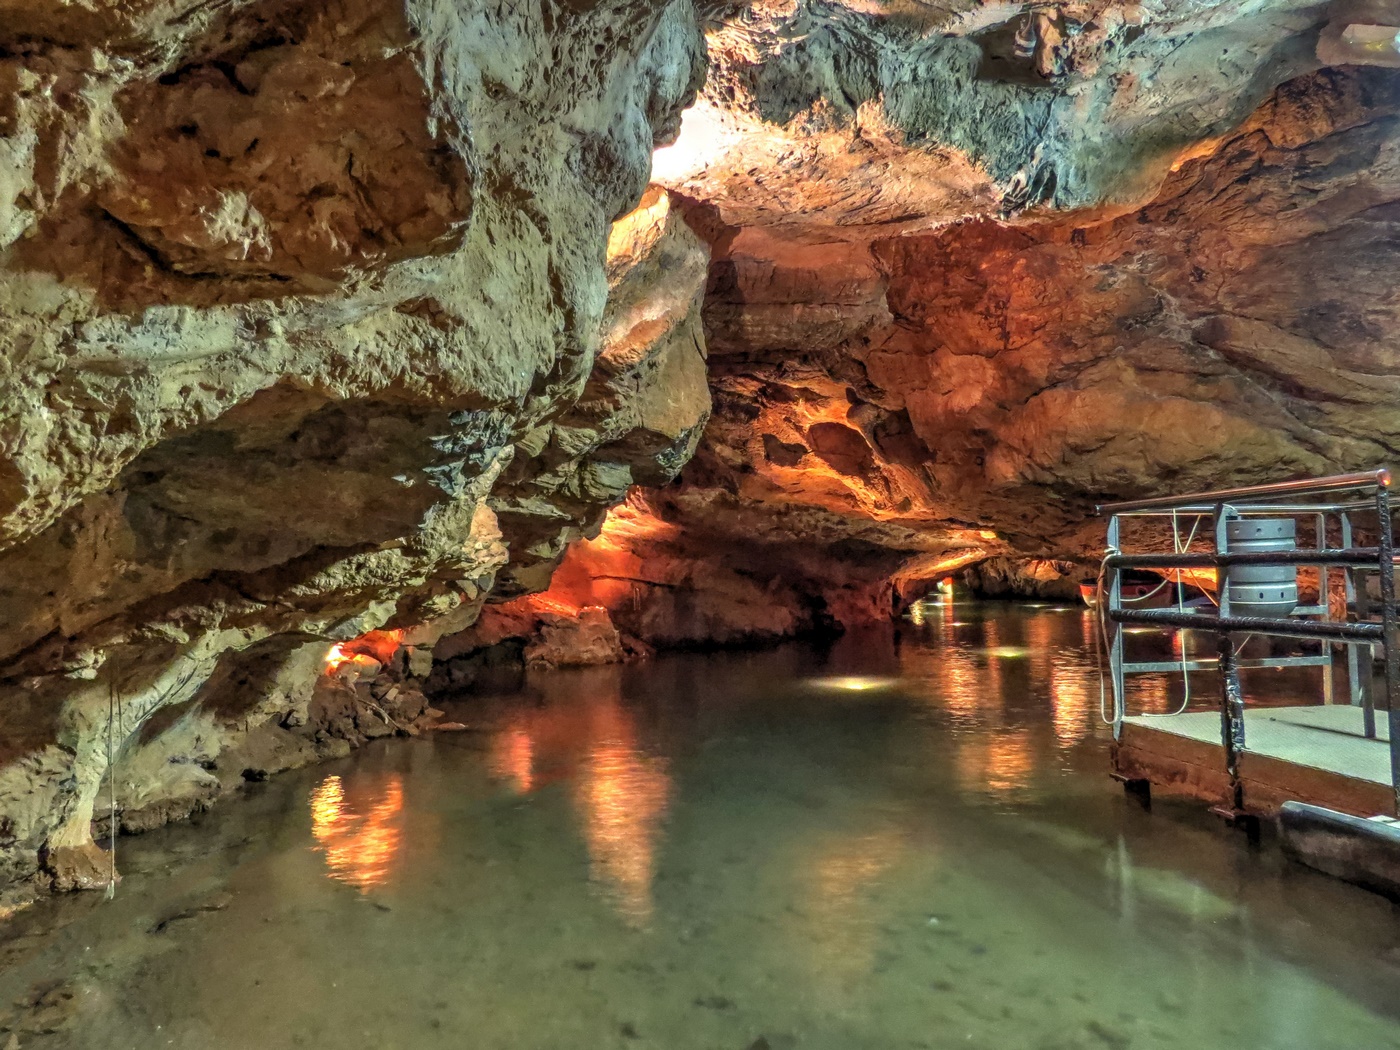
pixel 304 337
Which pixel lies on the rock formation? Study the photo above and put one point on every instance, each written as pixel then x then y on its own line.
pixel 301 315
pixel 325 323
pixel 1233 329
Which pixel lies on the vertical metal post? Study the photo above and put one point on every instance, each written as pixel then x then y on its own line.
pixel 1114 598
pixel 1358 656
pixel 1222 546
pixel 1231 719
pixel 1231 698
pixel 1324 599
pixel 1386 542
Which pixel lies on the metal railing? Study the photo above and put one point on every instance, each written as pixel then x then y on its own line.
pixel 1357 630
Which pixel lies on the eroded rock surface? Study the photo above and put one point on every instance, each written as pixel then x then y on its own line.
pixel 893 406
pixel 301 324
pixel 911 114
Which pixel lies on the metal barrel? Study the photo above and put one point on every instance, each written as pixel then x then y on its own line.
pixel 1262 590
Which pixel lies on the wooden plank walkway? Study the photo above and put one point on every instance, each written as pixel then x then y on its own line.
pixel 1317 755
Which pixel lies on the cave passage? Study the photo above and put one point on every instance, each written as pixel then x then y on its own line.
pixel 896 841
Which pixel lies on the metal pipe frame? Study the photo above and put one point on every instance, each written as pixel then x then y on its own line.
pixel 1392 652
pixel 1355 562
pixel 1158 666
pixel 1333 630
pixel 1256 493
pixel 1246 510
pixel 1332 556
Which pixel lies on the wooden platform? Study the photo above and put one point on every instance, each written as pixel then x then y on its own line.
pixel 1317 755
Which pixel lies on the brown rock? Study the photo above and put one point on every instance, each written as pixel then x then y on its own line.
pixel 85 867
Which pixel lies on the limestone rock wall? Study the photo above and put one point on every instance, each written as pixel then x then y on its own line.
pixel 300 316
pixel 910 402
pixel 913 113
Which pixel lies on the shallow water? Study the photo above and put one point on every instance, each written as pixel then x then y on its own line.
pixel 906 843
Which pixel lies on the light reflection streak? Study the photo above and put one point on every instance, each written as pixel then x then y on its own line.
pixel 620 792
pixel 842 880
pixel 513 759
pixel 1000 764
pixel 624 795
pixel 359 848
pixel 1072 704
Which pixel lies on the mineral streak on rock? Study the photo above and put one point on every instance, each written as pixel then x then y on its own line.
pixel 301 310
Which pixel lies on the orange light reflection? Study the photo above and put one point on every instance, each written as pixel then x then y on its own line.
pixel 513 759
pixel 359 848
pixel 623 795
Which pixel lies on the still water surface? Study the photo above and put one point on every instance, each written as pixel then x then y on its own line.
pixel 890 843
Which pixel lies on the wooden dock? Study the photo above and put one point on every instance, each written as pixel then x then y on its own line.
pixel 1317 755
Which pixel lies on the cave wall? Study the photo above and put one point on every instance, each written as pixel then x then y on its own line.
pixel 973 391
pixel 301 308
pixel 894 407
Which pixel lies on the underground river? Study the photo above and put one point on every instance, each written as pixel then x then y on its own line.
pixel 891 842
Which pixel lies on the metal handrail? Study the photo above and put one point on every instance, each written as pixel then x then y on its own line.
pixel 1356 562
pixel 1334 630
pixel 1244 510
pixel 1303 487
pixel 1210 560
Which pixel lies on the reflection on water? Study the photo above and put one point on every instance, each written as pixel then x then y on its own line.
pixel 890 842
pixel 843 875
pixel 1001 765
pixel 513 758
pixel 620 792
pixel 359 848
pixel 1074 703
pixel 623 798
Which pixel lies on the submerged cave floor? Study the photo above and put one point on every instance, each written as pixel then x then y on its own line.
pixel 909 844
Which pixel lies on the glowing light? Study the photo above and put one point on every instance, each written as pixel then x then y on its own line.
pixel 705 135
pixel 1007 652
pixel 854 683
pixel 365 653
pixel 336 656
pixel 359 849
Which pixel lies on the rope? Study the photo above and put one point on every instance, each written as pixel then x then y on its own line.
pixel 1179 548
pixel 1181 607
pixel 113 714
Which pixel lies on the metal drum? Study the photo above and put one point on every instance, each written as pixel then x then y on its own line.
pixel 1262 590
